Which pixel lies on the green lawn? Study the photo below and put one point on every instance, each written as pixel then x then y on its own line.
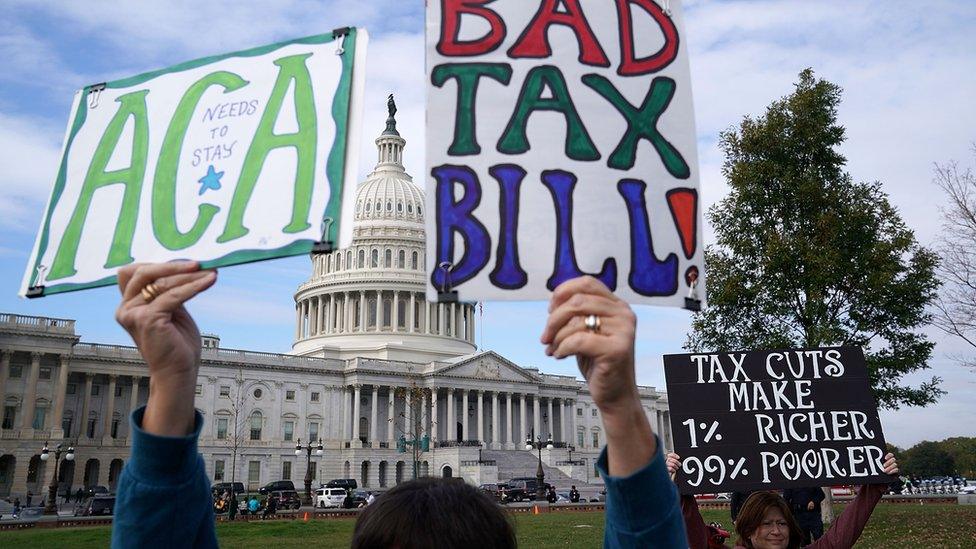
pixel 891 526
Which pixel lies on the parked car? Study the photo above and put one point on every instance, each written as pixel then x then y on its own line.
pixel 600 497
pixel 287 499
pixel 493 490
pixel 349 483
pixel 94 491
pixel 518 490
pixel 220 487
pixel 329 498
pixel 359 498
pixel 277 486
pixel 98 505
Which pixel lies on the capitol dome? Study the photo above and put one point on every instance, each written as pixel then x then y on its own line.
pixel 368 300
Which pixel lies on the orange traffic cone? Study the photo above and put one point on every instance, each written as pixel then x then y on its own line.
pixel 306 516
pixel 535 509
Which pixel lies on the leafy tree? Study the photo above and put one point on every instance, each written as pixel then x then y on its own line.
pixel 929 459
pixel 957 305
pixel 806 257
pixel 963 453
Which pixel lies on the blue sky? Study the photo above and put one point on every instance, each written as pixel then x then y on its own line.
pixel 908 70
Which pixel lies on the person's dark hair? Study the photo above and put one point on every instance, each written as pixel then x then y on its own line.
pixel 754 510
pixel 433 512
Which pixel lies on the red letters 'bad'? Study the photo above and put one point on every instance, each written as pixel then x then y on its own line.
pixel 449 44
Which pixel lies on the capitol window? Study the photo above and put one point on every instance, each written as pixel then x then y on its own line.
pixel 45 373
pixel 258 392
pixel 401 259
pixel 225 391
pixel 290 395
pixel 221 428
pixel 413 261
pixel 388 259
pixel 409 208
pixel 369 206
pixel 399 207
pixel 374 259
pixel 315 396
pixel 362 258
pixel 256 424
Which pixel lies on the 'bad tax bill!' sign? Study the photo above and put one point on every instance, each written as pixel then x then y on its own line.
pixel 560 141
pixel 225 160
pixel 765 420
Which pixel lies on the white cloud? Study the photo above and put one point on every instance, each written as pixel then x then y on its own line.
pixel 29 153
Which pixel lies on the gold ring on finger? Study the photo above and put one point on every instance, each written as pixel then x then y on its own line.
pixel 150 292
pixel 592 323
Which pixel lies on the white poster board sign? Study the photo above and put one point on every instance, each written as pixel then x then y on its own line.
pixel 561 142
pixel 224 160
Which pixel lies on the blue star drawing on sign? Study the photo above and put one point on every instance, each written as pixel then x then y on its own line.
pixel 211 181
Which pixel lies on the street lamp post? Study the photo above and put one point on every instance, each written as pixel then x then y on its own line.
pixel 540 475
pixel 52 495
pixel 308 469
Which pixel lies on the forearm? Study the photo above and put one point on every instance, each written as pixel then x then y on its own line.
pixel 170 408
pixel 630 441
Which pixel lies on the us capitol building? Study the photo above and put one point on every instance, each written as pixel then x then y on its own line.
pixel 373 365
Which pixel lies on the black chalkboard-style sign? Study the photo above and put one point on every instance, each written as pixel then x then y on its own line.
pixel 765 420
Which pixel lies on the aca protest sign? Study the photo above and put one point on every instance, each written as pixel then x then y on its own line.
pixel 765 420
pixel 224 160
pixel 560 142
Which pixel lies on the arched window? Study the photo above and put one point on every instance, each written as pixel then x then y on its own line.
pixel 387 312
pixel 409 208
pixel 420 211
pixel 389 206
pixel 349 260
pixel 375 259
pixel 369 206
pixel 328 264
pixel 362 258
pixel 413 261
pixel 371 312
pixel 402 313
pixel 388 259
pixel 256 423
pixel 363 429
pixel 399 207
pixel 416 314
pixel 401 259
pixel 364 477
pixel 382 474
pixel 379 206
pixel 359 207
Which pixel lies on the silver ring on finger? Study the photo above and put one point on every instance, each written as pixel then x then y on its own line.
pixel 592 323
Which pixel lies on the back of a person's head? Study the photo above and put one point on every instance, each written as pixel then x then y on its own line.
pixel 754 511
pixel 433 512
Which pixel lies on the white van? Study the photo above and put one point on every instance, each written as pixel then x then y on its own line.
pixel 326 498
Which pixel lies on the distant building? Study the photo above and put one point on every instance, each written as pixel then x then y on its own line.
pixel 366 343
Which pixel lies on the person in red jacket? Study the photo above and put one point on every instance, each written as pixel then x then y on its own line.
pixel 766 521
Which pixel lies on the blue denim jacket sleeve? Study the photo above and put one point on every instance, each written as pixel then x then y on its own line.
pixel 642 509
pixel 163 496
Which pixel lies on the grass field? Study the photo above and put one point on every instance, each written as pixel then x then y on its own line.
pixel 891 526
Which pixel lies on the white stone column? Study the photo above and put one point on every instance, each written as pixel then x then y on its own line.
pixel 453 326
pixel 442 323
pixel 536 415
pixel 330 316
pixel 395 312
pixel 523 421
pixel 379 311
pixel 86 405
pixel 508 414
pixel 391 417
pixel 4 372
pixel 666 437
pixel 659 428
pixel 59 394
pixel 572 421
pixel 408 429
pixel 434 418
pixel 373 435
pixel 298 320
pixel 346 410
pixel 134 393
pixel 481 416
pixel 109 407
pixel 496 422
pixel 464 415
pixel 356 411
pixel 551 419
pixel 30 393
pixel 562 420
pixel 363 317
pixel 450 430
pixel 426 317
pixel 424 417
pixel 412 317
